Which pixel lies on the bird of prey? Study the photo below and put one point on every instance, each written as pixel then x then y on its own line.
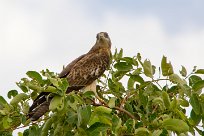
pixel 80 73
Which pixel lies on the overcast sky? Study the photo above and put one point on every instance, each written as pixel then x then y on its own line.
pixel 36 34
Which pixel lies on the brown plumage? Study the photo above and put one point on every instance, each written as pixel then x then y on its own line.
pixel 79 73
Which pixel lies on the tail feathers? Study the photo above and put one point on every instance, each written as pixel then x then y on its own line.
pixel 39 111
pixel 39 100
pixel 39 107
pixel 41 104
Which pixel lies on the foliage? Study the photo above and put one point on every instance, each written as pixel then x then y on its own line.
pixel 133 98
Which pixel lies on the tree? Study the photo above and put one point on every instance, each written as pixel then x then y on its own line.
pixel 133 98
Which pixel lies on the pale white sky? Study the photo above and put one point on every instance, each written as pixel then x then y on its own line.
pixel 36 34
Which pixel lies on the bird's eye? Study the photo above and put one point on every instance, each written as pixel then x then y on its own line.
pixel 106 35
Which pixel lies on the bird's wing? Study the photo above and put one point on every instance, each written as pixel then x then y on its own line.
pixel 88 69
pixel 67 69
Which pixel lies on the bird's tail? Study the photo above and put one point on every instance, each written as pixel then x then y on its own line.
pixel 40 106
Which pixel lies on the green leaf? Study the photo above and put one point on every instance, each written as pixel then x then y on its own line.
pixel 159 101
pixel 118 75
pixel 105 119
pixel 58 130
pixel 202 103
pixel 26 132
pixel 194 79
pixel 116 87
pixel 51 89
pixel 102 109
pixel 175 125
pixel 167 68
pixel 123 66
pixel 132 80
pixel 115 54
pixel 137 78
pixel 2 101
pixel 166 99
pixel 116 123
pixel 186 89
pixel 150 88
pixel 176 79
pixel 54 81
pixel 128 60
pixel 199 71
pixel 139 56
pixel 34 87
pixel 81 132
pixel 183 102
pixel 128 107
pixel 143 98
pixel 94 118
pixel 63 84
pixel 147 66
pixel 181 114
pixel 111 102
pixel 12 93
pixel 88 94
pixel 57 103
pixel 35 75
pixel 84 114
pixel 24 121
pixel 194 101
pixel 6 122
pixel 173 104
pixel 18 98
pixel 130 85
pixel 195 117
pixel 25 107
pixel 23 88
pixel 46 127
pixel 20 134
pixel 34 130
pixel 157 132
pixel 198 85
pixel 72 117
pixel 183 71
pixel 130 124
pixel 97 128
pixel 153 69
pixel 120 54
pixel 142 131
pixel 137 71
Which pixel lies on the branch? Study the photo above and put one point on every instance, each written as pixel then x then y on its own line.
pixel 103 103
pixel 125 99
pixel 127 112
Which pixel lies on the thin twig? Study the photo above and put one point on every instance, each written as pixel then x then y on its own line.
pixel 156 83
pixel 127 112
pixel 125 99
pixel 103 103
pixel 162 79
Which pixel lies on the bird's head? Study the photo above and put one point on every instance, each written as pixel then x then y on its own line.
pixel 103 40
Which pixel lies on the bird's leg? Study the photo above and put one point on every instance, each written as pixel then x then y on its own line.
pixel 92 87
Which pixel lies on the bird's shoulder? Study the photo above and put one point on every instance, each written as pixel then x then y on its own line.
pixel 87 58
pixel 67 69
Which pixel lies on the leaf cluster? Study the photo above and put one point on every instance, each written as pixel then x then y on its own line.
pixel 133 97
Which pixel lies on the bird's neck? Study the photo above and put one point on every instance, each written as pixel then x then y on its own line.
pixel 98 47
